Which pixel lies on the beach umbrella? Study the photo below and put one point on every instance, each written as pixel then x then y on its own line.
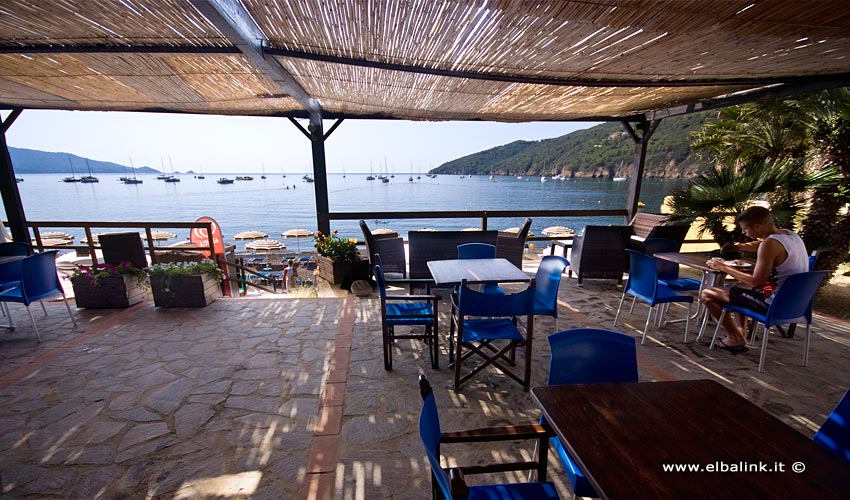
pixel 471 229
pixel 160 235
pixel 514 230
pixel 250 235
pixel 558 231
pixel 297 234
pixel 52 242
pixel 265 246
pixel 56 235
pixel 384 231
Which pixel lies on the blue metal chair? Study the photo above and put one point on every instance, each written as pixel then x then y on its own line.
pixel 834 434
pixel 480 251
pixel 588 356
pixel 643 284
pixel 546 284
pixel 495 324
pixel 668 272
pixel 451 484
pixel 38 280
pixel 792 303
pixel 407 310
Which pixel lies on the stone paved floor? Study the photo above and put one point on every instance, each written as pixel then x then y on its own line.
pixel 288 398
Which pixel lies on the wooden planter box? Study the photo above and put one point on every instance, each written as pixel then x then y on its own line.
pixel 335 272
pixel 185 291
pixel 110 292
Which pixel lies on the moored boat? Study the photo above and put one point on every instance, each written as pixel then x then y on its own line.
pixel 224 180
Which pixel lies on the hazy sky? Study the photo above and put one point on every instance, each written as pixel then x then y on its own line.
pixel 244 144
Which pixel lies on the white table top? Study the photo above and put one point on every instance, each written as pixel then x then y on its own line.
pixel 452 272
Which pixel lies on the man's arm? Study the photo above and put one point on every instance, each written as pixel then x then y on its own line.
pixel 768 251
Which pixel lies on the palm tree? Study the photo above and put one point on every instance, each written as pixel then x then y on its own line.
pixel 827 118
pixel 812 128
pixel 716 197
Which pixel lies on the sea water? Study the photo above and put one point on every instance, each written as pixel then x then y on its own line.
pixel 278 203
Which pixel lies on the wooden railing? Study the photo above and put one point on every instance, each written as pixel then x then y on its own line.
pixel 88 227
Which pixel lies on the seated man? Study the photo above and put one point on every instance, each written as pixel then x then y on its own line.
pixel 780 253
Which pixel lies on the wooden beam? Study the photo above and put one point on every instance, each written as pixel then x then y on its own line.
pixel 236 24
pixel 9 187
pixel 543 80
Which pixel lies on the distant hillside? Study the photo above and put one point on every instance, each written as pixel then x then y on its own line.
pixel 32 161
pixel 605 150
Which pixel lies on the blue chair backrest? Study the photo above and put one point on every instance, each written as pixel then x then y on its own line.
pixel 666 270
pixel 476 251
pixel 813 260
pixel 795 298
pixel 590 355
pixel 379 277
pixel 474 303
pixel 834 434
pixel 429 432
pixel 548 279
pixel 38 276
pixel 643 274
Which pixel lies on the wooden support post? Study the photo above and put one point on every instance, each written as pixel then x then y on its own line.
pixel 320 176
pixel 9 187
pixel 640 135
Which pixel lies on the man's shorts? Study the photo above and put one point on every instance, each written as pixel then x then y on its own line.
pixel 749 298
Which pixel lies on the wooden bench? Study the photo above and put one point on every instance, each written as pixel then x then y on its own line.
pixel 646 226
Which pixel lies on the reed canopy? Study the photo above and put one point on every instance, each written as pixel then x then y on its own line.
pixel 498 60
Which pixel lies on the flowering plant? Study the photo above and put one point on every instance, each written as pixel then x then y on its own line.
pixel 335 247
pixel 206 266
pixel 97 272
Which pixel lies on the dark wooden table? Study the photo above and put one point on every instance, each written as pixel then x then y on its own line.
pixel 452 272
pixel 623 435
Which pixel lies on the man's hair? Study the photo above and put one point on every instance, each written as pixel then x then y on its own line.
pixel 755 215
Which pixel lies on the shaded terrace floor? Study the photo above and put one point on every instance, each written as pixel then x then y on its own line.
pixel 288 398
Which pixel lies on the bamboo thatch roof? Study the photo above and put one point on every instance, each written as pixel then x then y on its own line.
pixel 504 60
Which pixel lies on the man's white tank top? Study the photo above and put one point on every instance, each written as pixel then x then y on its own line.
pixel 797 260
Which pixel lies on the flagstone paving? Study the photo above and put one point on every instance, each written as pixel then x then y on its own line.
pixel 288 398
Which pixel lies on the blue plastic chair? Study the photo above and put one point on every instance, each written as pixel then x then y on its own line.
pixel 38 280
pixel 643 284
pixel 407 310
pixel 546 284
pixel 588 356
pixel 668 272
pixel 792 303
pixel 480 251
pixel 834 434
pixel 450 483
pixel 495 323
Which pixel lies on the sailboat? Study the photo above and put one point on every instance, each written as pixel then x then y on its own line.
pixel 73 177
pixel 370 177
pixel 264 171
pixel 130 180
pixel 200 173
pixel 88 179
pixel 172 177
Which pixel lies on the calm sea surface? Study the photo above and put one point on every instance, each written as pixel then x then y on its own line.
pixel 266 205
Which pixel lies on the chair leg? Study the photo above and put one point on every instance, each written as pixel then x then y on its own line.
pixel 704 323
pixel 764 337
pixel 34 326
pixel 716 329
pixel 68 307
pixel 617 316
pixel 646 325
pixel 806 344
pixel 687 322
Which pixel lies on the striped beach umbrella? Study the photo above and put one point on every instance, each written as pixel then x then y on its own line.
pixel 558 231
pixel 250 235
pixel 297 234
pixel 265 246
